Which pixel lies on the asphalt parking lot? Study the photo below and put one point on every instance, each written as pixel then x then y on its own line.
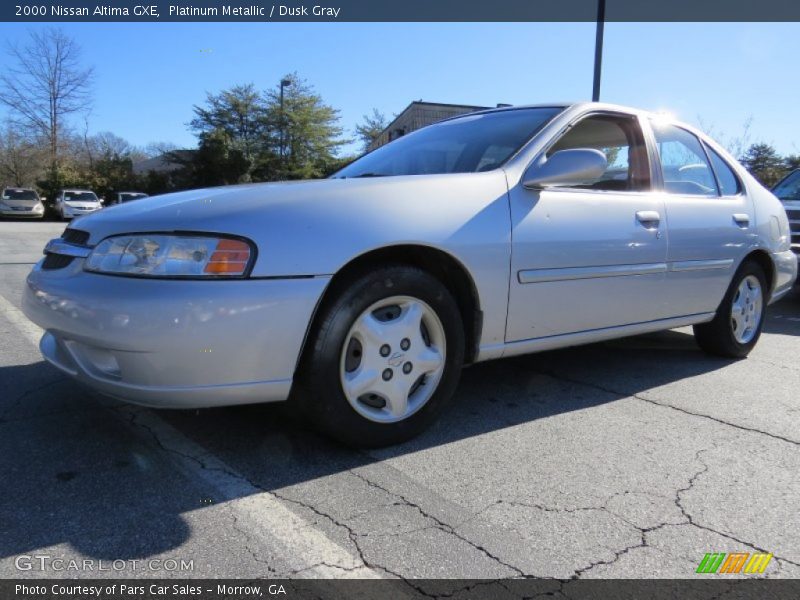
pixel 627 459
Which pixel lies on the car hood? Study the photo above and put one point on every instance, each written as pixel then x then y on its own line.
pixel 240 209
pixel 20 203
pixel 312 226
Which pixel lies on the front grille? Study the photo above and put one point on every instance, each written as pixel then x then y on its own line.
pixel 56 261
pixel 59 261
pixel 794 226
pixel 75 236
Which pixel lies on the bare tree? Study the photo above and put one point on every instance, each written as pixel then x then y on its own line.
pixel 22 161
pixel 154 149
pixel 737 145
pixel 45 84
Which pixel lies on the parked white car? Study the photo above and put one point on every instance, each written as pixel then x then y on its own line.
pixel 488 235
pixel 74 203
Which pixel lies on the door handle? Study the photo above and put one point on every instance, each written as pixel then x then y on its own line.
pixel 649 218
pixel 742 220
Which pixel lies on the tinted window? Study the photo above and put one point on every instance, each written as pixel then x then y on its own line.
pixel 789 188
pixel 620 139
pixel 9 194
pixel 728 183
pixel 684 164
pixel 123 197
pixel 84 196
pixel 466 144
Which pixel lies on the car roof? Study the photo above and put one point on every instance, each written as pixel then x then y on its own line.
pixel 582 106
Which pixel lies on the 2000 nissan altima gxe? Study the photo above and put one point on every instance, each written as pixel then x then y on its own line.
pixel 493 234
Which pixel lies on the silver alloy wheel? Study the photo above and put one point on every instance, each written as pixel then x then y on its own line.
pixel 392 359
pixel 747 309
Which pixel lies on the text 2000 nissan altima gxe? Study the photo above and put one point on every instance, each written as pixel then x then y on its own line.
pixel 493 234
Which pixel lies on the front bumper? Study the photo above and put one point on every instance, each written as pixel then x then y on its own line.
pixel 31 213
pixel 786 268
pixel 173 343
pixel 74 211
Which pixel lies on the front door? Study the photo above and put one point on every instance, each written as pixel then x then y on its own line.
pixel 593 255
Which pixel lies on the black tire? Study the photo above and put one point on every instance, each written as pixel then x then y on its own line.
pixel 717 336
pixel 318 389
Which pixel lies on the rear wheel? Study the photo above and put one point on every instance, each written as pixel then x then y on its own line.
pixel 736 327
pixel 384 359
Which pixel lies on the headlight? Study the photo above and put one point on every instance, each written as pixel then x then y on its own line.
pixel 160 255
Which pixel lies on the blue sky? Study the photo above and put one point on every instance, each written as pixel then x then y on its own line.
pixel 149 75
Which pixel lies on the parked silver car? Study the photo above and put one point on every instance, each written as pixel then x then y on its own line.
pixel 788 191
pixel 21 202
pixel 488 235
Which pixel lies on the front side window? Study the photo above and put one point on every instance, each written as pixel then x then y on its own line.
pixel 788 188
pixel 620 139
pixel 684 164
pixel 468 144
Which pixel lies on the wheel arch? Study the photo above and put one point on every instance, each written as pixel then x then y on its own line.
pixel 442 265
pixel 763 259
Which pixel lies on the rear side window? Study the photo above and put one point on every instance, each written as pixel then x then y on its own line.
pixel 684 164
pixel 728 182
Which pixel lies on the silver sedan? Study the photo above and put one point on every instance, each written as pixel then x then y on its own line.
pixel 360 297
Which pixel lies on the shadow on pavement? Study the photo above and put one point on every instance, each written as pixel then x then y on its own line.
pixel 74 473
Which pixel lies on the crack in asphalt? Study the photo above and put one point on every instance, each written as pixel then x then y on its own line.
pixel 439 524
pixel 354 536
pixel 641 398
pixel 132 419
pixel 18 400
pixel 643 531
pixel 687 515
pixel 248 539
pixel 691 521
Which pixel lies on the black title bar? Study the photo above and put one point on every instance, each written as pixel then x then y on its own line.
pixel 702 587
pixel 64 11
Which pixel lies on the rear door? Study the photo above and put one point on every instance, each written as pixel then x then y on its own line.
pixel 709 220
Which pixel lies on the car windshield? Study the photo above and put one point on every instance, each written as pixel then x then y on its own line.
pixel 789 188
pixel 468 144
pixel 20 195
pixel 84 196
pixel 124 197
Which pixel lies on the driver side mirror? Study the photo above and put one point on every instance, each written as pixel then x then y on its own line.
pixel 565 167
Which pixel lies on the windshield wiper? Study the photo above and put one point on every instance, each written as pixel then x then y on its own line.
pixel 368 174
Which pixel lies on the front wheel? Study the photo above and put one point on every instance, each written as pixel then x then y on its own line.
pixel 385 357
pixel 736 327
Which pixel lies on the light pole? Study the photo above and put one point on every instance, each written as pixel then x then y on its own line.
pixel 286 82
pixel 598 49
